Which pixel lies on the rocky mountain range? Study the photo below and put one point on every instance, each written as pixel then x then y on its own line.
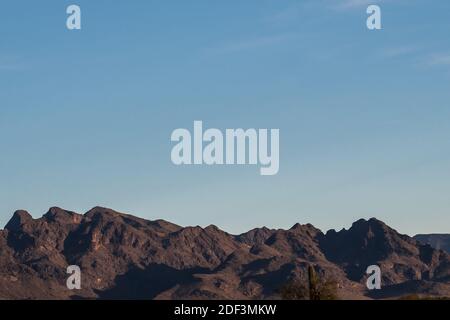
pixel 126 257
pixel 437 241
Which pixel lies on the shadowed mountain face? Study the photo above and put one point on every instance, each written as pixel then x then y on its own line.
pixel 125 257
pixel 437 241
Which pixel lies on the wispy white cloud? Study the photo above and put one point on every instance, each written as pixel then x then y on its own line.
pixel 348 4
pixel 416 55
pixel 287 15
pixel 438 59
pixel 399 51
pixel 358 4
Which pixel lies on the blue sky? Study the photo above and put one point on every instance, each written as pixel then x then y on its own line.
pixel 86 116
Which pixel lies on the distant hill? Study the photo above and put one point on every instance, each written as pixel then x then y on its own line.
pixel 122 256
pixel 437 241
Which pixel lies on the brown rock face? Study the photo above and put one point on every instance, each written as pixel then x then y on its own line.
pixel 437 241
pixel 122 256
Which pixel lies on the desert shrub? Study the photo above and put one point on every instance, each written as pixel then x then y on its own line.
pixel 294 290
pixel 313 288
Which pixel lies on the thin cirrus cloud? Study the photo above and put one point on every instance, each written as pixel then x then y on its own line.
pixel 287 15
pixel 292 12
pixel 438 59
pixel 418 56
pixel 354 3
pixel 357 4
pixel 399 51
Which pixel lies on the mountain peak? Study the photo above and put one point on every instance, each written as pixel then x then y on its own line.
pixel 56 214
pixel 255 236
pixel 303 226
pixel 19 218
pixel 101 211
pixel 371 222
pixel 369 226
